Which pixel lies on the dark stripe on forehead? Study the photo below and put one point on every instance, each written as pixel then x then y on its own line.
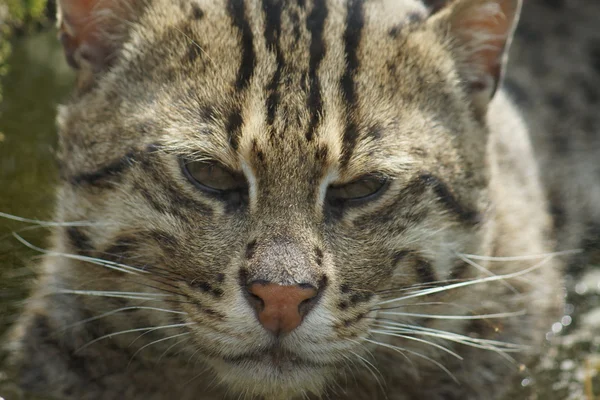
pixel 233 127
pixel 272 10
pixel 236 9
pixel 315 24
pixel 352 38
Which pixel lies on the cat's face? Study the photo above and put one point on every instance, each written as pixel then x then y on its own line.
pixel 329 150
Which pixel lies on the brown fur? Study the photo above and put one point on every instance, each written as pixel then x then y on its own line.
pixel 407 96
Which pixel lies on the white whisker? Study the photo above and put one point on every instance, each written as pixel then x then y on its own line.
pixel 485 271
pixel 485 344
pixel 106 314
pixel 459 317
pixel 374 371
pixel 418 340
pixel 51 223
pixel 150 328
pixel 397 349
pixel 122 295
pixel 98 261
pixel 156 341
pixel 437 363
pixel 523 258
pixel 494 278
pixel 169 348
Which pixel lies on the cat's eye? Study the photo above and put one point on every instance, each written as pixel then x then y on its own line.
pixel 365 188
pixel 212 177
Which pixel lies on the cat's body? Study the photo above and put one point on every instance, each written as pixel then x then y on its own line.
pixel 364 177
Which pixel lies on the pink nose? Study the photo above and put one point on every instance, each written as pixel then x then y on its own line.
pixel 281 308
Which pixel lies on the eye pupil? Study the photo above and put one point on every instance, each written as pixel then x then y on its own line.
pixel 363 189
pixel 211 177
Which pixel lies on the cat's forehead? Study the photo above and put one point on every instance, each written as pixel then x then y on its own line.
pixel 327 82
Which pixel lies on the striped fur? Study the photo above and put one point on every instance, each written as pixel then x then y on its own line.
pixel 297 96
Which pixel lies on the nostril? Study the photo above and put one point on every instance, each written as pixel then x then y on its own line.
pixel 281 308
pixel 306 305
pixel 256 302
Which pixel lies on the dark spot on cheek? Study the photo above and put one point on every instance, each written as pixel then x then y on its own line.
pixel 395 31
pixel 321 153
pixel 260 155
pixel 459 270
pixel 193 52
pixel 399 256
pixel 220 277
pixel 360 297
pixel 214 313
pixel 119 249
pixel 319 256
pixel 206 288
pixel 79 240
pixel 425 271
pixel 375 131
pixel 343 305
pixel 349 322
pixel 414 17
pixel 197 12
pixel 345 288
pixel 243 278
pixel 250 249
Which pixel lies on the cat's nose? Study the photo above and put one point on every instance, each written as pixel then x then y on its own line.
pixel 280 309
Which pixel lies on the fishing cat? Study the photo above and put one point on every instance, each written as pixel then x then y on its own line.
pixel 290 199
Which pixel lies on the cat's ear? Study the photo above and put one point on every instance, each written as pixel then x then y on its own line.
pixel 92 31
pixel 480 32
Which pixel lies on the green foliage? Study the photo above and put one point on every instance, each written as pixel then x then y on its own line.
pixel 19 15
pixel 24 13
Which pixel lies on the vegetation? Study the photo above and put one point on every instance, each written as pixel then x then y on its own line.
pixel 18 16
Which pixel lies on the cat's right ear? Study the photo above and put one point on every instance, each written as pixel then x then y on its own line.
pixel 92 31
pixel 480 33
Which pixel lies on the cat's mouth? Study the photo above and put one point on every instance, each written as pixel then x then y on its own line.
pixel 274 357
pixel 274 371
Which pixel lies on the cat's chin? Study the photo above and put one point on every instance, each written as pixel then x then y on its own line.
pixel 273 375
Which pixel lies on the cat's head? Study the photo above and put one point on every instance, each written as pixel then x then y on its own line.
pixel 271 171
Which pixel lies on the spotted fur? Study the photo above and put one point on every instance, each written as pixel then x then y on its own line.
pixel 297 97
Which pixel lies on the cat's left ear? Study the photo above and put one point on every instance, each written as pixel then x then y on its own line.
pixel 479 32
pixel 92 31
